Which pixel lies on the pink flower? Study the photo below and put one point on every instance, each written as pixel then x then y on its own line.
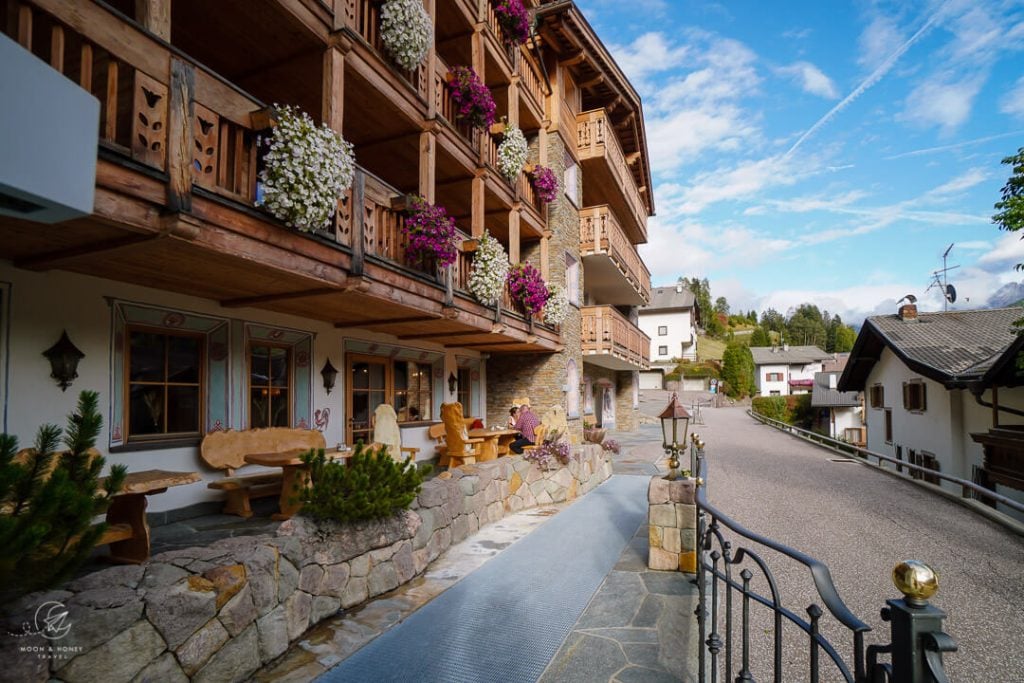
pixel 528 287
pixel 472 99
pixel 514 20
pixel 546 184
pixel 431 232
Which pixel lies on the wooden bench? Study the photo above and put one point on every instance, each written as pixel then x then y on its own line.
pixel 226 450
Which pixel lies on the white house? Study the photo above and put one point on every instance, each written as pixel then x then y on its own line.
pixel 945 390
pixel 785 370
pixel 670 320
pixel 839 411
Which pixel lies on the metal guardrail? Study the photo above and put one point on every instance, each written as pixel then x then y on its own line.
pixel 966 486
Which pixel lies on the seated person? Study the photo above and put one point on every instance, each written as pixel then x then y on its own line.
pixel 525 424
pixel 513 415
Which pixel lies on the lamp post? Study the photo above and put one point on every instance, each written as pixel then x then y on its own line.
pixel 672 440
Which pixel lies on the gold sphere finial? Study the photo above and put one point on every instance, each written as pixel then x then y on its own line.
pixel 700 445
pixel 695 437
pixel 915 580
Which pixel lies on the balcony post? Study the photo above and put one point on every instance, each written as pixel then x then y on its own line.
pixel 358 222
pixel 180 121
pixel 428 161
pixel 431 64
pixel 545 265
pixel 513 101
pixel 513 233
pixel 478 205
pixel 333 89
pixel 155 16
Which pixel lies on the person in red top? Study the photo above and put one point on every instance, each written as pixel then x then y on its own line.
pixel 525 424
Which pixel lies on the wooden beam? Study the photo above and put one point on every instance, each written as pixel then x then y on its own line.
pixel 391 321
pixel 545 265
pixel 574 59
pixel 513 236
pixel 441 335
pixel 155 16
pixel 180 117
pixel 279 296
pixel 428 165
pixel 483 344
pixel 587 85
pixel 479 209
pixel 48 260
pixel 333 89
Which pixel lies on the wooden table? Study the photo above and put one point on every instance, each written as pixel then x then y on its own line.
pixel 496 441
pixel 295 475
pixel 127 529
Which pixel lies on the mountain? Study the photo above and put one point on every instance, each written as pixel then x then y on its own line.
pixel 1010 294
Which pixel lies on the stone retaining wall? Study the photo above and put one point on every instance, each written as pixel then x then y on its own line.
pixel 218 613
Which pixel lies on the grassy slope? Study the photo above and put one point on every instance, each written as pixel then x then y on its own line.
pixel 709 349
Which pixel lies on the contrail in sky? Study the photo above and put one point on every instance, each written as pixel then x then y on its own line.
pixel 956 145
pixel 873 78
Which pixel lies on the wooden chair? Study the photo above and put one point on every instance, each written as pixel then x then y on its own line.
pixel 459 448
pixel 436 432
pixel 538 435
pixel 387 433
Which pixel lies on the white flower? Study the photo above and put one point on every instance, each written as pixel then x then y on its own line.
pixel 406 31
pixel 512 153
pixel 557 307
pixel 312 165
pixel 490 269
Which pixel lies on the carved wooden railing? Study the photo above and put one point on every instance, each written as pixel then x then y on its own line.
pixel 363 17
pixel 529 79
pixel 499 33
pixel 464 266
pixel 600 233
pixel 528 193
pixel 597 139
pixel 446 107
pixel 608 332
pixel 136 79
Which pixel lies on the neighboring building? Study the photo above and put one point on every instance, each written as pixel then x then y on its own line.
pixel 787 370
pixel 197 311
pixel 837 412
pixel 945 391
pixel 670 320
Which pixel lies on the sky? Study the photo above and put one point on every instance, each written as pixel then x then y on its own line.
pixel 826 152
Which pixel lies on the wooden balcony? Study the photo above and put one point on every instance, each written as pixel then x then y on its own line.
pixel 611 341
pixel 608 177
pixel 176 182
pixel 362 17
pixel 613 270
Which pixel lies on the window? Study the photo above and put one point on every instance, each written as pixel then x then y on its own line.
pixel 914 396
pixel 465 395
pixel 412 390
pixel 662 350
pixel 774 377
pixel 570 180
pixel 876 396
pixel 372 380
pixel 270 386
pixel 165 384
pixel 888 425
pixel 572 279
pixel 774 392
pixel 662 330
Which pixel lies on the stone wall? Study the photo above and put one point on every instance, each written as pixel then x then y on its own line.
pixel 672 523
pixel 542 377
pixel 627 418
pixel 219 613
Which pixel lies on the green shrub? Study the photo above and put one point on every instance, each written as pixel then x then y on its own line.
pixel 371 486
pixel 801 414
pixel 774 407
pixel 673 377
pixel 699 371
pixel 48 501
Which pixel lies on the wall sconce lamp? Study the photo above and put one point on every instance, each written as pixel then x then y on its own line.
pixel 453 382
pixel 64 357
pixel 330 374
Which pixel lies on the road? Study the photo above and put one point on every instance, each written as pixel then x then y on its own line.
pixel 861 523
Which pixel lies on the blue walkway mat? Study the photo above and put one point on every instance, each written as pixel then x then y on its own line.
pixel 506 620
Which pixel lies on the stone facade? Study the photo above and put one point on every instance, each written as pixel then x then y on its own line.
pixel 627 418
pixel 219 613
pixel 543 377
pixel 672 523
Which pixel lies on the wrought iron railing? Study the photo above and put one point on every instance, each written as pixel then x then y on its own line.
pixel 968 489
pixel 727 563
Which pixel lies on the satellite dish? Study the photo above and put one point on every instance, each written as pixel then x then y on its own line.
pixel 950 294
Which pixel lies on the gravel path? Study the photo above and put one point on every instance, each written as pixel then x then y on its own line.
pixel 861 523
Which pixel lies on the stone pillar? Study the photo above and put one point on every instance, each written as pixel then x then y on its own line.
pixel 672 524
pixel 625 414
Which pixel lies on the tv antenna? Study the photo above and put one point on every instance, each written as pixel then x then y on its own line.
pixel 940 281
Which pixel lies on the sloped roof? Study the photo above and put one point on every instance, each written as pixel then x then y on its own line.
pixel 954 347
pixel 792 355
pixel 823 397
pixel 664 298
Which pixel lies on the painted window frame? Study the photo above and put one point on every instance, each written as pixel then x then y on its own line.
pixel 915 396
pixel 300 344
pixel 876 396
pixel 200 384
pixel 388 361
pixel 290 382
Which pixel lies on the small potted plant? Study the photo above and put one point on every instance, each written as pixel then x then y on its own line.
pixel 545 183
pixel 512 152
pixel 472 99
pixel 528 287
pixel 490 270
pixel 514 20
pixel 406 31
pixel 431 234
pixel 592 434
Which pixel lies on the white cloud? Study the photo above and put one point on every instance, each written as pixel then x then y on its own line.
pixel 956 146
pixel 878 40
pixel 1013 102
pixel 974 245
pixel 938 102
pixel 1008 252
pixel 798 33
pixel 737 182
pixel 812 79
pixel 648 54
pixel 964 181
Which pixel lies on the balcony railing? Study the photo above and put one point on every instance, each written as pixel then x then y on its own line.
pixel 606 332
pixel 600 233
pixel 363 17
pixel 597 139
pixel 529 79
pixel 460 276
pixel 446 107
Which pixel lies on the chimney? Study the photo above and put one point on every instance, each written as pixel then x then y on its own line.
pixel 679 288
pixel 908 312
pixel 833 380
pixel 785 346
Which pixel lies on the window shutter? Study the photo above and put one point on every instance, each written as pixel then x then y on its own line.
pixel 924 395
pixel 907 405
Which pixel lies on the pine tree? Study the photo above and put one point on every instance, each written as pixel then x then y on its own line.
pixel 48 501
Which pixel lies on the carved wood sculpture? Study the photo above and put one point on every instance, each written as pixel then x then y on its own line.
pixel 460 449
pixel 386 432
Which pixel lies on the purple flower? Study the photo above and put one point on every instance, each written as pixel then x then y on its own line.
pixel 431 232
pixel 611 445
pixel 546 184
pixel 471 98
pixel 549 452
pixel 527 286
pixel 514 20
